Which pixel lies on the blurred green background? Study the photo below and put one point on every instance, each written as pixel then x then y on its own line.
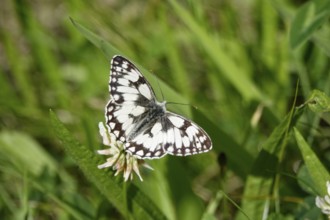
pixel 238 62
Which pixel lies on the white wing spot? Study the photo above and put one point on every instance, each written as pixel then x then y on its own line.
pixel 124 111
pixel 176 121
pixel 131 76
pixel 145 91
pixel 126 89
pixel 123 82
pixel 122 118
pixel 139 153
pixel 185 141
pixel 124 65
pixel 130 97
pixel 170 149
pixel 112 125
pixel 156 128
pixel 116 97
pixel 148 143
pixel 116 133
pixel 178 138
pixel 191 131
pixel 138 110
pixel 141 138
pixel 170 136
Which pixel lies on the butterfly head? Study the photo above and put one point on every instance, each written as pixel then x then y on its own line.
pixel 160 106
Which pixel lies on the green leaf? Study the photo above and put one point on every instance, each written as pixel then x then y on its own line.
pixel 138 204
pixel 319 102
pixel 315 168
pixel 307 20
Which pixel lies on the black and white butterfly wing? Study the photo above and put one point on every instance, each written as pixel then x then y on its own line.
pixel 172 134
pixel 127 86
pixel 131 96
pixel 184 137
pixel 149 143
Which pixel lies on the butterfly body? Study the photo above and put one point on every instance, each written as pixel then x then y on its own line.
pixel 143 124
pixel 156 111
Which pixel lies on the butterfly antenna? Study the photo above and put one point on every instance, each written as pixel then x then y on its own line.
pixel 160 88
pixel 176 103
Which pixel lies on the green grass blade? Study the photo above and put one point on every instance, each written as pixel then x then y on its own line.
pixel 307 20
pixel 236 76
pixel 317 171
pixel 31 161
pixel 26 152
pixel 258 188
pixel 140 206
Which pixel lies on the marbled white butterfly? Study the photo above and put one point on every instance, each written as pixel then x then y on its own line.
pixel 143 124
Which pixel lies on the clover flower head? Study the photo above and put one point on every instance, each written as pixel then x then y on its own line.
pixel 324 202
pixel 119 159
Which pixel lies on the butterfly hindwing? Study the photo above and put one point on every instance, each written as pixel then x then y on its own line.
pixel 150 143
pixel 185 137
pixel 172 134
pixel 121 119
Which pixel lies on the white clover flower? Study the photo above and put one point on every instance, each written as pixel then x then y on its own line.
pixel 324 203
pixel 119 159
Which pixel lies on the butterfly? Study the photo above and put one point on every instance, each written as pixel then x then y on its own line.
pixel 142 124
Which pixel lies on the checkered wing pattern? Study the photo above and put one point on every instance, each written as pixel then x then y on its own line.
pixel 142 123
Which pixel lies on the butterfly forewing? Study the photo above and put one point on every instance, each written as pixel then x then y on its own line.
pixel 143 124
pixel 127 85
